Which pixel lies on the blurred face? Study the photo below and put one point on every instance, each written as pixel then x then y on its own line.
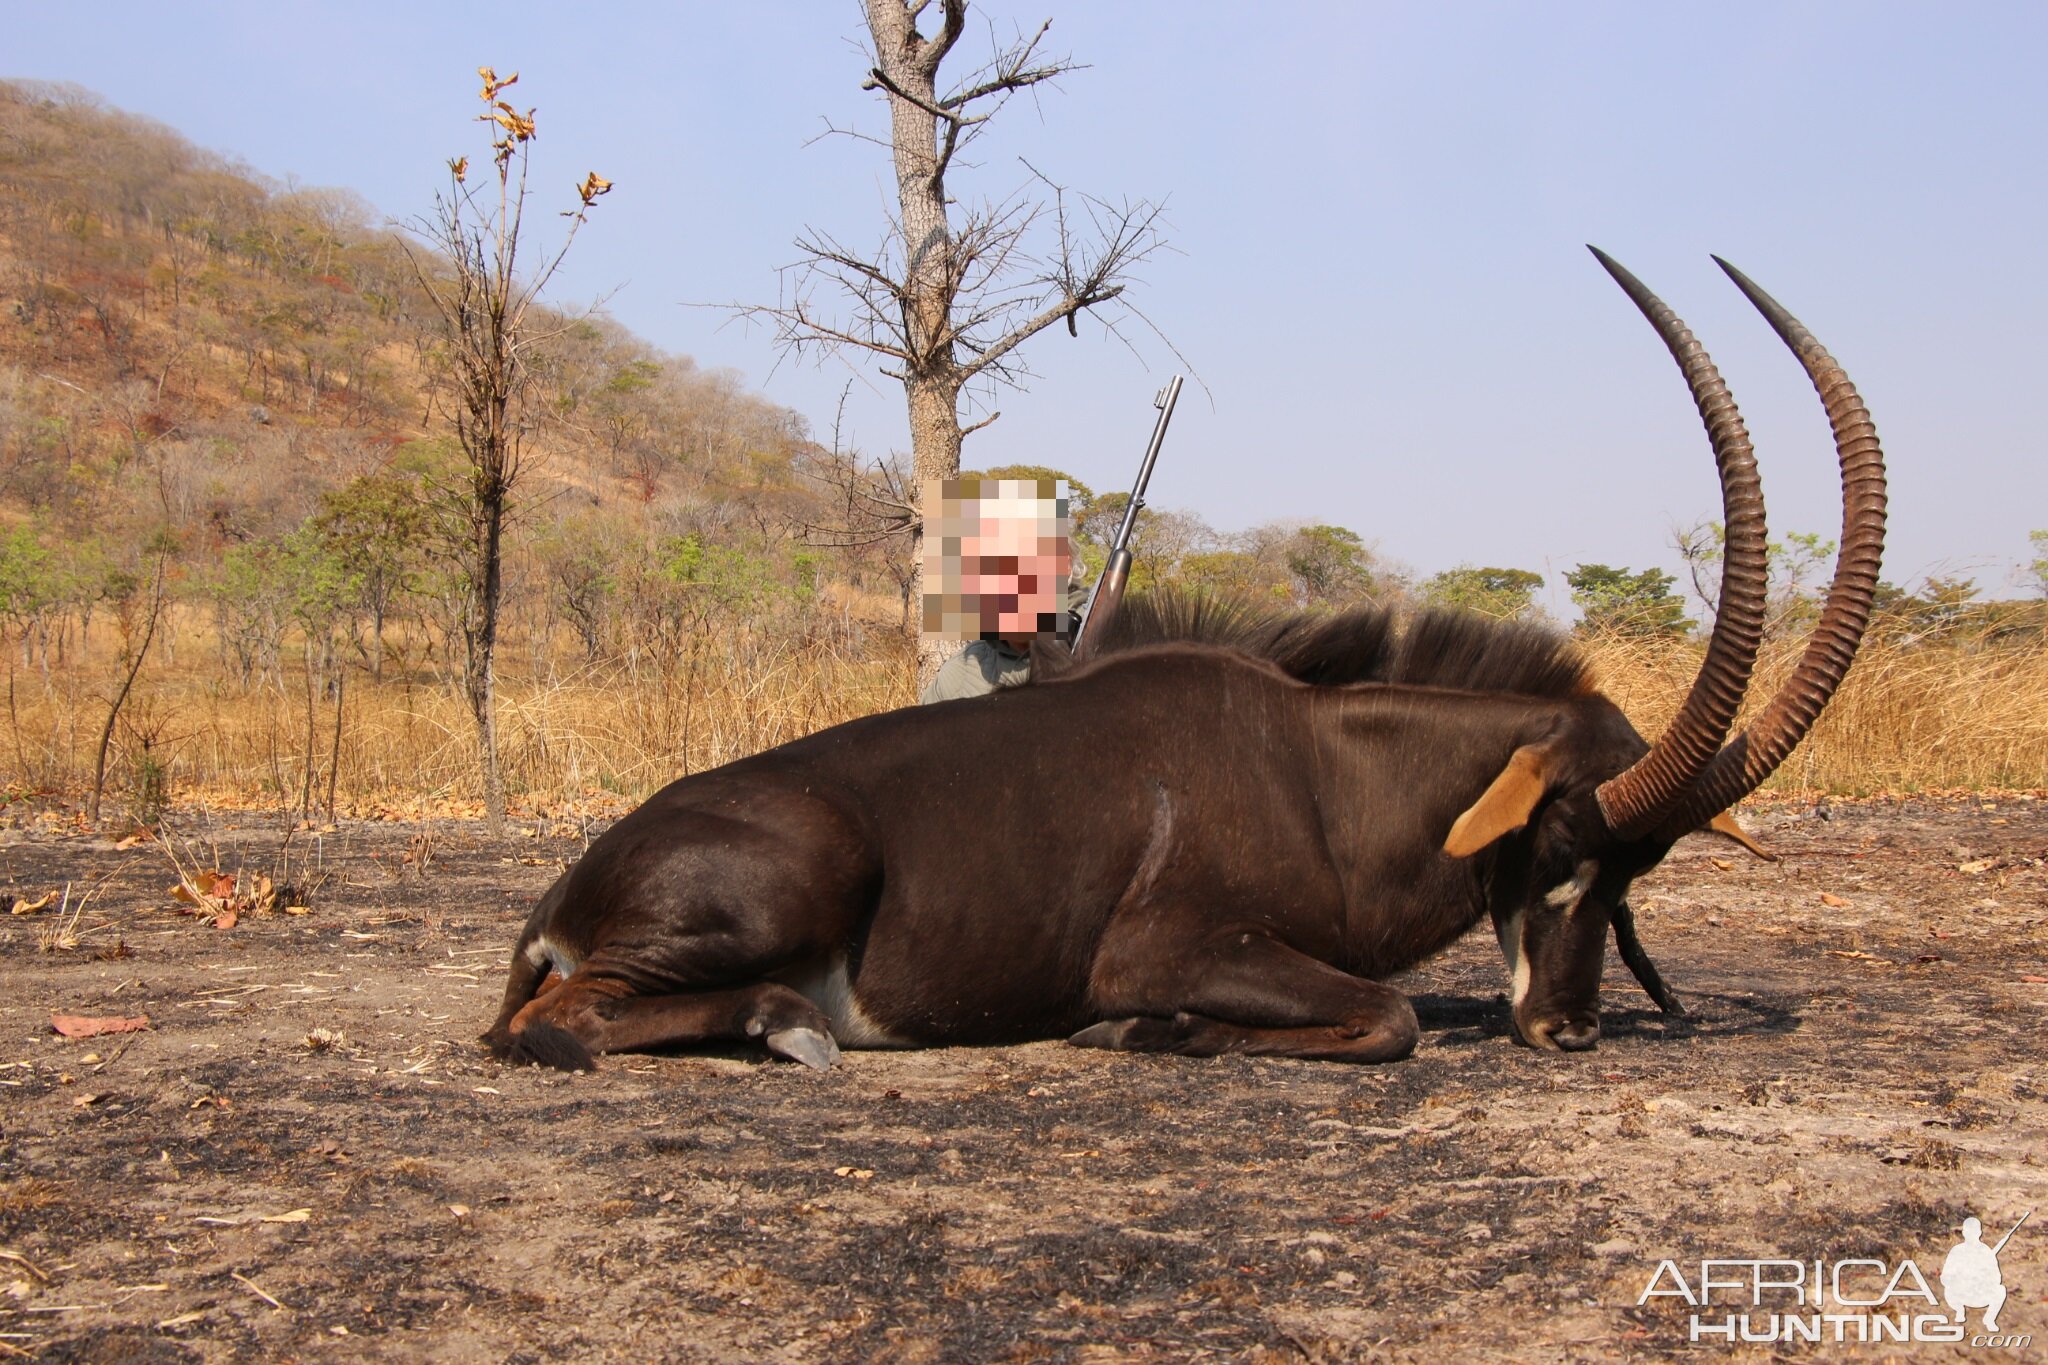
pixel 997 559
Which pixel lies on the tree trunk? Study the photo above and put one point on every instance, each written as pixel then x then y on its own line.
pixel 483 675
pixel 935 449
pixel 931 377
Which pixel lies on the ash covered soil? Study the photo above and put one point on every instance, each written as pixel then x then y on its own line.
pixel 1862 1068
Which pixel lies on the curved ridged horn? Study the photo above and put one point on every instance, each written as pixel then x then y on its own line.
pixel 1737 770
pixel 1638 800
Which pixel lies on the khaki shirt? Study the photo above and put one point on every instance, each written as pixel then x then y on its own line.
pixel 979 669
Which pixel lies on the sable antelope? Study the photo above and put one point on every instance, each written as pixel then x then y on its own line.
pixel 1195 847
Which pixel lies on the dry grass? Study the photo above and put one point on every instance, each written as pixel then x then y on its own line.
pixel 607 734
pixel 604 736
pixel 1908 718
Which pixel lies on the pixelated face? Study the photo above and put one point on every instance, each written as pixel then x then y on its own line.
pixel 997 555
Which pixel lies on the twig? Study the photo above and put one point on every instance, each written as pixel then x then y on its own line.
pixel 255 1288
pixel 24 1262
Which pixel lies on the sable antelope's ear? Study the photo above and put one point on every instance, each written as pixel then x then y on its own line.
pixel 1506 804
pixel 1724 823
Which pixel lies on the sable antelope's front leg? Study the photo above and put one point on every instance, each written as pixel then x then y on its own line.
pixel 1245 992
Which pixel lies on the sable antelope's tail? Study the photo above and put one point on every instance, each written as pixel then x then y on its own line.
pixel 522 984
pixel 541 1043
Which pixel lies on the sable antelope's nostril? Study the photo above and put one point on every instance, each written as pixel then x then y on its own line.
pixel 1576 1035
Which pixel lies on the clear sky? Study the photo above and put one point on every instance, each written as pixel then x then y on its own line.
pixel 1377 211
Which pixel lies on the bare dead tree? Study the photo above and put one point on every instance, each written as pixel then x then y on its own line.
pixel 482 304
pixel 943 302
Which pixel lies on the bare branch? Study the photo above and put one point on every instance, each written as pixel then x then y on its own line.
pixel 878 79
pixel 1012 74
pixel 936 48
pixel 834 130
pixel 797 329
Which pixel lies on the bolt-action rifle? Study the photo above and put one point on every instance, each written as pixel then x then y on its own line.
pixel 1109 588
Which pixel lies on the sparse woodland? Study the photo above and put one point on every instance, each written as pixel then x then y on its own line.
pixel 232 569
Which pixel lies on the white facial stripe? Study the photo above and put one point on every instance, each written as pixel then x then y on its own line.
pixel 1518 960
pixel 1566 895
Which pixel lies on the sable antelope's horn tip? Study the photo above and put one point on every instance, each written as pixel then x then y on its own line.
pixel 1626 278
pixel 1768 306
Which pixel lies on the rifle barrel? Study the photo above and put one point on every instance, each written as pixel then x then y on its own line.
pixel 1168 396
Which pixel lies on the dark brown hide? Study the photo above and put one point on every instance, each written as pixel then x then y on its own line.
pixel 1182 842
pixel 1196 848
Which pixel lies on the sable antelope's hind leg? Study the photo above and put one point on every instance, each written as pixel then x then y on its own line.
pixel 1254 995
pixel 601 1015
pixel 1195 1035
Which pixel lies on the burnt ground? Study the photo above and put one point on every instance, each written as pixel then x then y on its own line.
pixel 1859 1073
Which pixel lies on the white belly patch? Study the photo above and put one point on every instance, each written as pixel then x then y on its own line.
pixel 825 984
pixel 546 949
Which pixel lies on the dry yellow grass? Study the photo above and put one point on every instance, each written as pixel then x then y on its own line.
pixel 604 736
pixel 1908 718
pixel 601 735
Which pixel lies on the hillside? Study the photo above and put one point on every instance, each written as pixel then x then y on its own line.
pixel 181 337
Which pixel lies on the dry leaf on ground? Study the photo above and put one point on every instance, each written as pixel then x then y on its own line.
pixel 224 897
pixel 81 1026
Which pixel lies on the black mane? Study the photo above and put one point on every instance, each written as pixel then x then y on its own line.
pixel 1433 648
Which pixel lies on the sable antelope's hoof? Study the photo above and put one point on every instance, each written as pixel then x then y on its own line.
pixel 814 1049
pixel 1109 1034
pixel 1142 1034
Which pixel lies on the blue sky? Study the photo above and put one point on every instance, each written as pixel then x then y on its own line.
pixel 1377 211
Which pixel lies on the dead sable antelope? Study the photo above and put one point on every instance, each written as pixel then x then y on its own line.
pixel 1194 847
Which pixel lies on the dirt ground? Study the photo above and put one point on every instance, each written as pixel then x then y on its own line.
pixel 306 1156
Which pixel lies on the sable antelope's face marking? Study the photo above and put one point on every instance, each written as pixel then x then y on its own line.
pixel 1562 950
pixel 1567 894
